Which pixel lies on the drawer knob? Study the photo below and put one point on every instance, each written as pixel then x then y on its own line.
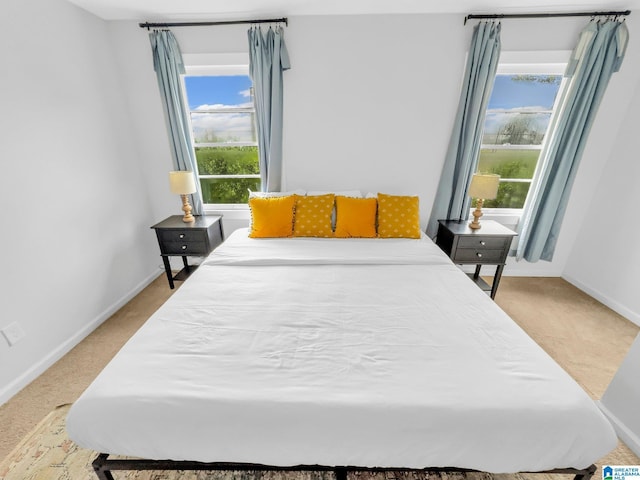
pixel 479 255
pixel 184 247
pixel 483 243
pixel 182 235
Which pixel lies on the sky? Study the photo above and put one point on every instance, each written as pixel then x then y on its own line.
pixel 219 90
pixel 508 94
pixel 203 91
pixel 519 96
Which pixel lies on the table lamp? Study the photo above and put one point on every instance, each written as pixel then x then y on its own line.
pixel 183 184
pixel 484 186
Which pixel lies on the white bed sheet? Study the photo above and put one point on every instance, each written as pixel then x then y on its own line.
pixel 242 250
pixel 388 365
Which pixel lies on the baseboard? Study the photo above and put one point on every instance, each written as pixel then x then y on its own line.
pixel 52 357
pixel 629 438
pixel 606 300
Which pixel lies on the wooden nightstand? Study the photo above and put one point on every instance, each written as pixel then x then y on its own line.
pixel 195 239
pixel 489 245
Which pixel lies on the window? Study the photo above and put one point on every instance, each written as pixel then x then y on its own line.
pixel 517 123
pixel 222 118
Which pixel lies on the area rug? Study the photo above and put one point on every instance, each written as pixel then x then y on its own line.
pixel 47 453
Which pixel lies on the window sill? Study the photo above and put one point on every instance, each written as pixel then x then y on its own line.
pixel 229 211
pixel 509 217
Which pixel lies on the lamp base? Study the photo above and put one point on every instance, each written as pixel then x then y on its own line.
pixel 477 213
pixel 186 208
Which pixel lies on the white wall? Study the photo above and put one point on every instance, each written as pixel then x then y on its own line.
pixel 75 236
pixel 622 397
pixel 605 259
pixel 370 100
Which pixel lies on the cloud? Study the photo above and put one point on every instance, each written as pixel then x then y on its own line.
pixel 531 109
pixel 496 119
pixel 223 127
pixel 221 106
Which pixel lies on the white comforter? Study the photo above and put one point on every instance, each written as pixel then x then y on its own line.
pixel 338 352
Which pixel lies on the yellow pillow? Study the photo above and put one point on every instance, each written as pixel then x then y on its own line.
pixel 398 216
pixel 356 217
pixel 272 216
pixel 313 216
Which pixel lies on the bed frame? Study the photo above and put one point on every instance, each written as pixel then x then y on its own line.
pixel 103 466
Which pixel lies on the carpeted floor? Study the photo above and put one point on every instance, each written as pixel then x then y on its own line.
pixel 567 323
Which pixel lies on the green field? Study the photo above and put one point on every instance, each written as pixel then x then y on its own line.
pixel 227 161
pixel 228 190
pixel 509 164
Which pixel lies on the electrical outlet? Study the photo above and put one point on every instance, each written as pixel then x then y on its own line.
pixel 13 333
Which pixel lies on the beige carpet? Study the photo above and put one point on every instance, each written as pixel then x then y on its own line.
pixel 567 323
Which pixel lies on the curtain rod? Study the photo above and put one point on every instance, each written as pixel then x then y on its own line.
pixel 148 25
pixel 547 15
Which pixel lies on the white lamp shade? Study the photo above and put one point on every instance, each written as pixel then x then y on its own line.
pixel 484 185
pixel 182 183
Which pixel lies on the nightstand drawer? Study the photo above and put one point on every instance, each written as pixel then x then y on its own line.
pixel 182 236
pixel 187 239
pixel 478 255
pixel 479 242
pixel 184 248
pixel 488 246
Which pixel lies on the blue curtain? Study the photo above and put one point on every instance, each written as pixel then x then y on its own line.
pixel 268 58
pixel 168 64
pixel 451 200
pixel 597 56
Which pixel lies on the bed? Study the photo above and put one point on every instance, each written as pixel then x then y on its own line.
pixel 313 353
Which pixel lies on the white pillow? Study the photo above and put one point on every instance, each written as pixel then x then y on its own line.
pixel 275 194
pixel 346 193
pixel 375 195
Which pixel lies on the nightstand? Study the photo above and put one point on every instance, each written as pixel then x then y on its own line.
pixel 195 239
pixel 488 245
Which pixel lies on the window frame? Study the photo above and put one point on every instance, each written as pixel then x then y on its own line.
pixel 534 63
pixel 221 64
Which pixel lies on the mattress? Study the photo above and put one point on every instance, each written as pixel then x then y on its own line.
pixel 338 352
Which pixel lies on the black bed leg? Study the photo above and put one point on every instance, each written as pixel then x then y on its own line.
pixel 341 473
pixel 586 474
pixel 100 468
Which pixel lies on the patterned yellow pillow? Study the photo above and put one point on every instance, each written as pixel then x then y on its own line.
pixel 398 216
pixel 356 217
pixel 313 216
pixel 272 216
